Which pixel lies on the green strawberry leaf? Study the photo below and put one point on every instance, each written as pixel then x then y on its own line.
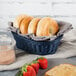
pixel 19 73
pixel 24 68
pixel 35 61
pixel 41 58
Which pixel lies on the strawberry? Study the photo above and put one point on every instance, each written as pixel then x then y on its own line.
pixel 42 62
pixel 28 70
pixel 35 65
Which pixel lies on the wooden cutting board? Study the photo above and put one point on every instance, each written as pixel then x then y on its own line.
pixel 55 62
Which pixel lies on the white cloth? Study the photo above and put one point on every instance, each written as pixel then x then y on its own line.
pixel 66 49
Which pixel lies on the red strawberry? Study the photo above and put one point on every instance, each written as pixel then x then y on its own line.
pixel 35 65
pixel 26 73
pixel 28 70
pixel 42 62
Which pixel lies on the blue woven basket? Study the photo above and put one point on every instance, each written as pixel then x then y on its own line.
pixel 39 47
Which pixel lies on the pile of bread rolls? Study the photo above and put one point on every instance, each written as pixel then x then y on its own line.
pixel 45 26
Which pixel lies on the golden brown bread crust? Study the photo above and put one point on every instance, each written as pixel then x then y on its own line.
pixel 62 70
pixel 24 24
pixel 33 25
pixel 46 27
pixel 18 20
pixel 46 73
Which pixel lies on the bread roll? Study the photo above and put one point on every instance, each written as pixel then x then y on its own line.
pixel 24 24
pixel 18 20
pixel 33 25
pixel 62 70
pixel 47 27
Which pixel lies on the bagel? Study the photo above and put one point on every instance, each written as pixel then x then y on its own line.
pixel 18 20
pixel 33 25
pixel 24 24
pixel 47 27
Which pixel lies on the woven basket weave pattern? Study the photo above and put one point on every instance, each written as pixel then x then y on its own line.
pixel 37 47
